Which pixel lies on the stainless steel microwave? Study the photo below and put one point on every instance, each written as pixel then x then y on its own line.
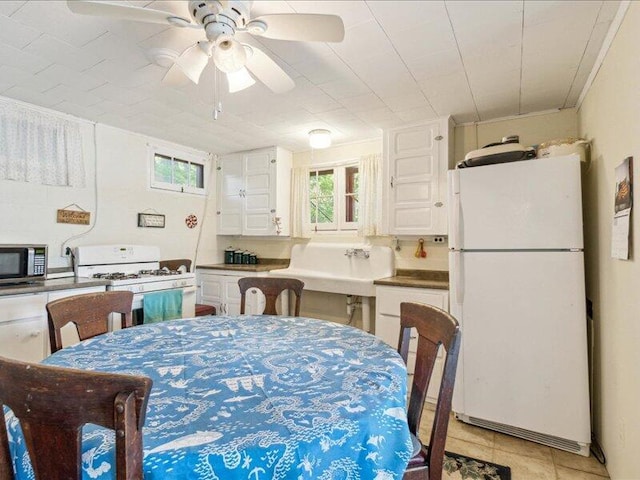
pixel 22 263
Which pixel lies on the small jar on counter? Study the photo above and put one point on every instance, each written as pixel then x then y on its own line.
pixel 245 257
pixel 228 255
pixel 237 257
pixel 253 259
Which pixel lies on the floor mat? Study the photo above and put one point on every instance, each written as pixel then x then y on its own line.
pixel 462 467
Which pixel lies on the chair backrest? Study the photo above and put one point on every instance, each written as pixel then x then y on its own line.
pixel 435 327
pixel 90 313
pixel 53 404
pixel 175 264
pixel 271 287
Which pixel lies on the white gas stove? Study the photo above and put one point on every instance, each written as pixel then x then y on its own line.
pixel 135 268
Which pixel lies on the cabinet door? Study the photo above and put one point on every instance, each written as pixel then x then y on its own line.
pixel 23 327
pixel 230 187
pixel 417 165
pixel 231 295
pixel 388 300
pixel 210 290
pixel 259 193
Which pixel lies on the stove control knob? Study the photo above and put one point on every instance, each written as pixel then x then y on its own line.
pixel 174 284
pixel 141 288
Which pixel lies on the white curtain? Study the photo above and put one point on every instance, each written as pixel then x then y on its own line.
pixel 370 195
pixel 299 202
pixel 39 147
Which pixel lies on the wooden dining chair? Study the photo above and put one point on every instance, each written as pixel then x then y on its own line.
pixel 53 403
pixel 271 287
pixel 89 312
pixel 435 327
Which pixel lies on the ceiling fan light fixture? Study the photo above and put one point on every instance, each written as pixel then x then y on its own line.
pixel 319 138
pixel 229 55
pixel 194 60
pixel 239 80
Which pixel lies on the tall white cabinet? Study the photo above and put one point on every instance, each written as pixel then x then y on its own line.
pixel 253 194
pixel 415 170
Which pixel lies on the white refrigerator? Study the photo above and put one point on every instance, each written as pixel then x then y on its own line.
pixel 517 289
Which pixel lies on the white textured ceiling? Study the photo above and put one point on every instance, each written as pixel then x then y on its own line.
pixel 401 62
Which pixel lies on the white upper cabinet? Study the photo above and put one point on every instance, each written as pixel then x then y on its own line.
pixel 415 170
pixel 253 192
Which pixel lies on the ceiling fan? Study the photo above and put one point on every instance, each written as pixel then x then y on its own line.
pixel 221 21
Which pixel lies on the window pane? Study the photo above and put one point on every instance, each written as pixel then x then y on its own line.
pixel 325 182
pixel 313 211
pixel 162 169
pixel 180 172
pixel 351 190
pixel 325 209
pixel 351 180
pixel 196 176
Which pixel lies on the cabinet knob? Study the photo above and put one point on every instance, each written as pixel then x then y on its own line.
pixel 391 182
pixel 35 334
pixel 273 160
pixel 439 137
pixel 438 204
pixel 273 210
pixel 218 212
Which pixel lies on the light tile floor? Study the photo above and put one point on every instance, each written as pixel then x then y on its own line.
pixel 528 460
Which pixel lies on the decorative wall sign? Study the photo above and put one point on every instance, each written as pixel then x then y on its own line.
pixel 153 220
pixel 76 217
pixel 191 221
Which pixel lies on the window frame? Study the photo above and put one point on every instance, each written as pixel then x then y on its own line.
pixel 177 156
pixel 339 224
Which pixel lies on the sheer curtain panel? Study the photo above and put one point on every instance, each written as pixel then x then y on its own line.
pixel 370 195
pixel 39 147
pixel 299 202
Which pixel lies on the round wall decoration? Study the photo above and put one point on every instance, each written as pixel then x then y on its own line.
pixel 191 221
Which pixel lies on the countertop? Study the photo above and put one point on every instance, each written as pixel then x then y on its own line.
pixel 417 279
pixel 51 285
pixel 264 265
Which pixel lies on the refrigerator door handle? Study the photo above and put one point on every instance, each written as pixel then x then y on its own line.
pixel 457 270
pixel 454 212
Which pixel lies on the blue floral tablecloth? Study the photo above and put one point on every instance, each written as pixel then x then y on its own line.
pixel 251 398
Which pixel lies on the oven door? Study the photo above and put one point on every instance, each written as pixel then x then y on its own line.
pixel 188 305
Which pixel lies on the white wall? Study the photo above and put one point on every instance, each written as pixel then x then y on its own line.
pixel 28 211
pixel 610 118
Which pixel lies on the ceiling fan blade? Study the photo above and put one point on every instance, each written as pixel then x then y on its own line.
pixel 175 77
pixel 193 60
pixel 305 27
pixel 268 71
pixel 125 12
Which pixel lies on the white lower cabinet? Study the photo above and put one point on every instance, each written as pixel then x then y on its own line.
pixel 388 300
pixel 23 327
pixel 24 332
pixel 220 289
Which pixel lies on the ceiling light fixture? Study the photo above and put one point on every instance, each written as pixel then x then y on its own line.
pixel 229 54
pixel 320 138
pixel 239 80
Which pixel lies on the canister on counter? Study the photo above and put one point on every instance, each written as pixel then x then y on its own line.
pixel 253 259
pixel 245 257
pixel 228 255
pixel 237 256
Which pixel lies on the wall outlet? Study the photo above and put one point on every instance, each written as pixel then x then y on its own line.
pixel 438 239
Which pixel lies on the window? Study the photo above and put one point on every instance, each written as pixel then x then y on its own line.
pixel 179 172
pixel 333 198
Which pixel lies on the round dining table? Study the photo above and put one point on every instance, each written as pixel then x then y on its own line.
pixel 251 397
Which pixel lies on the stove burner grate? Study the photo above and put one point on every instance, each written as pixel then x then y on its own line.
pixel 116 276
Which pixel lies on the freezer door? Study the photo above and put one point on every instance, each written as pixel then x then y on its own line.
pixel 524 350
pixel 532 204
